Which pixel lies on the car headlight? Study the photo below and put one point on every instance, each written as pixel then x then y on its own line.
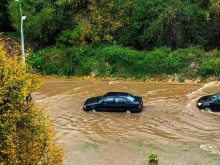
pixel 199 104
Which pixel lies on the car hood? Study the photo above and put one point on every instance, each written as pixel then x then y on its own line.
pixel 92 100
pixel 205 99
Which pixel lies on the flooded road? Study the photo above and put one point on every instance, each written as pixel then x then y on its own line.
pixel 170 125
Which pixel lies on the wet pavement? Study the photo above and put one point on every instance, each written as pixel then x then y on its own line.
pixel 170 125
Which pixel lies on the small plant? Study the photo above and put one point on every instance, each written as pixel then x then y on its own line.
pixel 153 160
pixel 181 79
pixel 140 143
pixel 88 145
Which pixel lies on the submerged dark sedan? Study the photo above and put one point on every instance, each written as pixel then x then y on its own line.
pixel 114 101
pixel 209 102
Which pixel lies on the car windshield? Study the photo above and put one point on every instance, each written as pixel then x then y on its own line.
pixel 215 96
pixel 102 97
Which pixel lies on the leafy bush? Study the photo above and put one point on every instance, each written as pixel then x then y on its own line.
pixel 210 64
pixel 45 61
pixel 206 68
pixel 73 62
pixel 62 61
pixel 153 160
pixel 210 67
pixel 154 62
pixel 26 135
pixel 118 61
pixel 70 37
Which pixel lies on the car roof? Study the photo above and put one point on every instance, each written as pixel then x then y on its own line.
pixel 116 94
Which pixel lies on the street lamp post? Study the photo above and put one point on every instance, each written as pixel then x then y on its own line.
pixel 22 35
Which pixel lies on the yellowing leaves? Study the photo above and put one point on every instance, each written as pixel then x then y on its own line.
pixel 26 135
pixel 103 20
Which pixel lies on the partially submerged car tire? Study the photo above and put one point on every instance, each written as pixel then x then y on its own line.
pixel 208 109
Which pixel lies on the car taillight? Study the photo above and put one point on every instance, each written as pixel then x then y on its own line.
pixel 139 106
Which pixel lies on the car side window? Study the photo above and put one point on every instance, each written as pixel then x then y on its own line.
pixel 127 101
pixel 217 101
pixel 119 100
pixel 130 98
pixel 108 101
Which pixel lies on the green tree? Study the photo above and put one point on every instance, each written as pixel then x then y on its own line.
pixel 44 20
pixel 173 23
pixel 5 23
pixel 96 21
pixel 214 32
pixel 26 136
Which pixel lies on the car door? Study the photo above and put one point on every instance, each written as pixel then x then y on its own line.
pixel 119 104
pixel 216 105
pixel 129 105
pixel 106 104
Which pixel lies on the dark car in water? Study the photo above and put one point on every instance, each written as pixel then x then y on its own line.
pixel 210 102
pixel 114 101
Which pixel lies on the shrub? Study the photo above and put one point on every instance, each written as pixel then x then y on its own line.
pixel 26 136
pixel 210 67
pixel 73 61
pixel 118 61
pixel 153 160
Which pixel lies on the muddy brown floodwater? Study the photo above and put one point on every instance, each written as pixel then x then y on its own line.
pixel 170 125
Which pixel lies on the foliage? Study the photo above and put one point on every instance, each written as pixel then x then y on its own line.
pixel 214 33
pixel 26 136
pixel 45 61
pixel 96 20
pixel 87 146
pixel 153 160
pixel 43 22
pixel 70 37
pixel 4 17
pixel 62 61
pixel 210 66
pixel 113 61
pixel 141 24
pixel 172 23
pixel 73 62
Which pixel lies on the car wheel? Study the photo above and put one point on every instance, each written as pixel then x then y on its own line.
pixel 128 111
pixel 87 110
pixel 93 109
pixel 208 109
